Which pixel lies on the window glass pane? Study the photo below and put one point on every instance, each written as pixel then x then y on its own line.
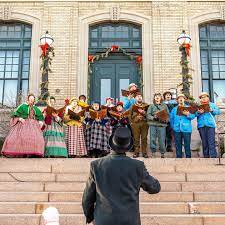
pixel 2 61
pixel 26 53
pixel 205 86
pixel 26 60
pixel 94 44
pixel 203 32
pixel 204 53
pixel 1 91
pixel 15 60
pixel 25 74
pixel 215 68
pixel 26 43
pixel 25 67
pixel 8 68
pixel 218 88
pixel 3 44
pixel 13 44
pixel 136 44
pixel 1 74
pixel 106 35
pixel 204 67
pixel 94 33
pixel 205 74
pixel 9 61
pixel 10 93
pixel 124 83
pixel 136 33
pixel 221 60
pixel 217 43
pixel 222 75
pixel 2 53
pixel 2 67
pixel 215 60
pixel 8 74
pixel 204 60
pixel 216 75
pixel 203 44
pixel 105 89
pixel 9 54
pixel 222 67
pixel 24 88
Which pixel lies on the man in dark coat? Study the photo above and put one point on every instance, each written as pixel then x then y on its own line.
pixel 111 196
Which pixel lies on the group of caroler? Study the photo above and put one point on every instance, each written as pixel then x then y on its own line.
pixel 79 129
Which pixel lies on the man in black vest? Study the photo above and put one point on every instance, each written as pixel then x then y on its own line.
pixel 111 196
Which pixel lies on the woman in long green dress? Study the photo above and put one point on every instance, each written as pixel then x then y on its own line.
pixel 54 136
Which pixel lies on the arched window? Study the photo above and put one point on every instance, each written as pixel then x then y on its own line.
pixel 105 35
pixel 15 45
pixel 212 45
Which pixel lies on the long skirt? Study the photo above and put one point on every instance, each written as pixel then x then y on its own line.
pixel 55 141
pixel 24 139
pixel 97 137
pixel 75 141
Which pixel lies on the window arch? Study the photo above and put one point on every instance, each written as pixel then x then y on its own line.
pixel 15 47
pixel 212 47
pixel 125 35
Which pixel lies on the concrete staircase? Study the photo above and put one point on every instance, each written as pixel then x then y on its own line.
pixel 193 191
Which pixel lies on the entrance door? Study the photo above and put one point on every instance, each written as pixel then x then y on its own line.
pixel 110 76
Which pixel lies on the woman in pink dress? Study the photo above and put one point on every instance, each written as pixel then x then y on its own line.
pixel 25 137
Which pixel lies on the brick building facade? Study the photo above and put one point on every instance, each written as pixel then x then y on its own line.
pixel 69 22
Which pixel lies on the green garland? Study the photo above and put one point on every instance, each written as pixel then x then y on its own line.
pixel 114 48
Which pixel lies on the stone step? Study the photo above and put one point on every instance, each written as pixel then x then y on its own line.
pixel 77 165
pixel 79 186
pixel 82 177
pixel 144 197
pixel 27 219
pixel 145 208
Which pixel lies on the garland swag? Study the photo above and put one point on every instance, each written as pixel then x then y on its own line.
pixel 114 48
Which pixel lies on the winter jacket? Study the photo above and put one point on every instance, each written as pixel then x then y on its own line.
pixel 207 119
pixel 181 123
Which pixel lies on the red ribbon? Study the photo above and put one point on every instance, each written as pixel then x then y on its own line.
pixel 114 48
pixel 187 49
pixel 44 48
pixel 90 58
pixel 139 59
pixel 67 101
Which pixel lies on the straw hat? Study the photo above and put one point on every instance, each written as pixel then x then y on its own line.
pixel 203 94
pixel 181 96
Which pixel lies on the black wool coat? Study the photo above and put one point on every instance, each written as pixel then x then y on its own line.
pixel 111 196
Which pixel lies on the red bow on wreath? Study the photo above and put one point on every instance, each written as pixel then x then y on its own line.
pixel 90 58
pixel 139 59
pixel 44 49
pixel 114 48
pixel 187 49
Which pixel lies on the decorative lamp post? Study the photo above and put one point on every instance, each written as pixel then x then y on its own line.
pixel 184 42
pixel 47 55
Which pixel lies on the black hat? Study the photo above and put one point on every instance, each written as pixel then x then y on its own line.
pixel 121 141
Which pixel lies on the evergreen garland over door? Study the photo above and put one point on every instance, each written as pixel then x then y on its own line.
pixel 116 72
